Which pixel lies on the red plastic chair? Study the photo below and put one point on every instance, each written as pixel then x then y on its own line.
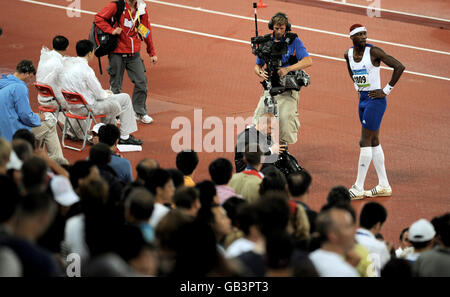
pixel 77 99
pixel 47 91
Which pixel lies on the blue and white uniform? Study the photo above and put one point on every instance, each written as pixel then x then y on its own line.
pixel 366 77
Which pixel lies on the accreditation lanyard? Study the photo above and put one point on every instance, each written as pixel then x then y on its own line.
pixel 140 29
pixel 138 18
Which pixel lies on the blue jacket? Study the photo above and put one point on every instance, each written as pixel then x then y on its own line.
pixel 15 110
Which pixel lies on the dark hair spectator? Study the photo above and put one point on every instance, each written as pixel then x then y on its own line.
pixel 397 268
pixel 338 195
pixel 108 134
pixel 252 154
pixel 157 178
pixel 273 213
pixel 298 183
pixel 372 213
pixel 186 198
pixel 208 193
pixel 143 169
pixel 100 154
pixel 26 66
pixel 139 205
pixel 60 43
pixel 84 47
pixel 22 148
pixel 27 136
pixel 187 161
pixel 232 206
pixel 79 170
pixel 34 175
pixel 246 216
pixel 221 171
pixel 403 233
pixel 274 180
pixel 177 177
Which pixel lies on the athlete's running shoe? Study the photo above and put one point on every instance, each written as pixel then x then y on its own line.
pixel 356 194
pixel 379 191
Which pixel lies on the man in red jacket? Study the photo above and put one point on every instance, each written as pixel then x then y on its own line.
pixel 133 28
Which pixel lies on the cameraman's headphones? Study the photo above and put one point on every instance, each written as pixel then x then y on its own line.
pixel 288 25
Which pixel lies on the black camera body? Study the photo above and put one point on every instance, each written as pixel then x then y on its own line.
pixel 265 48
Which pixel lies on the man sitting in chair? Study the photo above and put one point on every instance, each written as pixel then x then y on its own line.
pixel 51 64
pixel 80 78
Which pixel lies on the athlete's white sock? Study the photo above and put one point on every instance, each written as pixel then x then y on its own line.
pixel 125 137
pixel 365 156
pixel 378 162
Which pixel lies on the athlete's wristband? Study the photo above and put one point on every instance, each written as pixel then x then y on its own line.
pixel 387 89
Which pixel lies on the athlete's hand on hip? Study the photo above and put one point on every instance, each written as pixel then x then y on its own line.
pixel 154 59
pixel 377 94
pixel 117 31
pixel 283 71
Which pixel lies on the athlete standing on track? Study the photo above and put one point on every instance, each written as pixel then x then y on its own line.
pixel 363 63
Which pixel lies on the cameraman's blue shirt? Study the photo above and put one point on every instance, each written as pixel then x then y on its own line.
pixel 296 47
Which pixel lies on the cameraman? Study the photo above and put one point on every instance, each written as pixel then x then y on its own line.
pixel 265 134
pixel 288 100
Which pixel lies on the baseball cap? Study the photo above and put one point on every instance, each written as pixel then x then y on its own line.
pixel 421 231
pixel 63 191
pixel 97 127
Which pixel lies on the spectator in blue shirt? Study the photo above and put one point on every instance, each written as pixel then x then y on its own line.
pixel 16 113
pixel 109 134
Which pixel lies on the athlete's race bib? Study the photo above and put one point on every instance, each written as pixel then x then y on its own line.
pixel 361 78
pixel 143 30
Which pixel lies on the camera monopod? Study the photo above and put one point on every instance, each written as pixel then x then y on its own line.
pixel 256 19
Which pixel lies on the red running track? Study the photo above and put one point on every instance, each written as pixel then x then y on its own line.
pixel 216 76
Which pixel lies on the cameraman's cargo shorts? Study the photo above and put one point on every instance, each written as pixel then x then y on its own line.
pixel 287 112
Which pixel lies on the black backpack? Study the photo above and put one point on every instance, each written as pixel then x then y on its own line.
pixel 105 43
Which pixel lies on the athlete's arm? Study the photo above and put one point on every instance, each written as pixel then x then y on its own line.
pixel 379 55
pixel 390 61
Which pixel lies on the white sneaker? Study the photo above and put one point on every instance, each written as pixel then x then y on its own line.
pixel 146 119
pixel 356 194
pixel 379 191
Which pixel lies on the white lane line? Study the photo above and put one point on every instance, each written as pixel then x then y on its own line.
pixel 226 38
pixel 387 10
pixel 295 26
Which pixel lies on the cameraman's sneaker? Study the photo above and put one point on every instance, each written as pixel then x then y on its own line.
pixel 356 194
pixel 146 119
pixel 379 191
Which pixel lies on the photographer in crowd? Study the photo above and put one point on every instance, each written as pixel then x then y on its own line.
pixel 296 58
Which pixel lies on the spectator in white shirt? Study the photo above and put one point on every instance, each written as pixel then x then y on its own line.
pixel 50 67
pixel 371 220
pixel 79 77
pixel 160 184
pixel 421 234
pixel 247 220
pixel 337 231
pixel 405 246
